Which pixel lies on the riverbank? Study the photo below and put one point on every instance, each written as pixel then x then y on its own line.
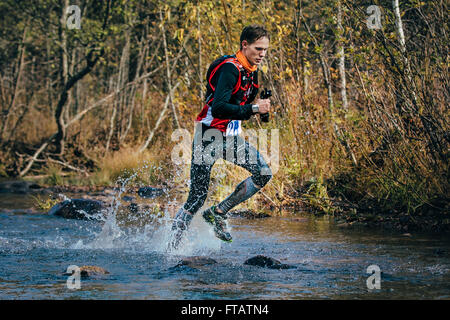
pixel 431 217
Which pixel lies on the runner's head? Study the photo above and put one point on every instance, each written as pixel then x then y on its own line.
pixel 254 43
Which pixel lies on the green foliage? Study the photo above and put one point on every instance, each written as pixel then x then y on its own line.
pixel 317 196
pixel 44 204
pixel 3 170
pixel 396 124
pixel 54 177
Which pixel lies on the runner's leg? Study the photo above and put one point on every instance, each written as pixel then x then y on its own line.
pixel 199 183
pixel 253 162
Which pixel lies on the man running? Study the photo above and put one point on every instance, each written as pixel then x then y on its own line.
pixel 232 85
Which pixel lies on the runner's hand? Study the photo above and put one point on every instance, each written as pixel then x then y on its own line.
pixel 264 105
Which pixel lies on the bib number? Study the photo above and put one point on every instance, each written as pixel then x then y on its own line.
pixel 234 128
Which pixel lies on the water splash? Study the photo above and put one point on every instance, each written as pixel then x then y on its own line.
pixel 199 239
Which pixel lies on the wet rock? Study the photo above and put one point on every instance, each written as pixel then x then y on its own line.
pixel 80 209
pixel 128 198
pixel 195 262
pixel 90 271
pixel 249 214
pixel 20 187
pixel 150 192
pixel 267 262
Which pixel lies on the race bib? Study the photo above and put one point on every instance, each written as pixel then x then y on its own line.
pixel 234 128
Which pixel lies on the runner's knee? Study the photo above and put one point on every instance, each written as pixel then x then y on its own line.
pixel 263 177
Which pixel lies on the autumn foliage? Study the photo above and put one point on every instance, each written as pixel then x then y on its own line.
pixel 362 112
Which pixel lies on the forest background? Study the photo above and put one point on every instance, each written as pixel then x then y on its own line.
pixel 360 94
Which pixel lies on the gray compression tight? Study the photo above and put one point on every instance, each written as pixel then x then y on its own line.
pixel 243 191
pixel 253 162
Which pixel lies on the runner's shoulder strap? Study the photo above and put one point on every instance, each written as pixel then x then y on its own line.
pixel 214 67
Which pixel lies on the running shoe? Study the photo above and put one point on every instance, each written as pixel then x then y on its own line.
pixel 217 220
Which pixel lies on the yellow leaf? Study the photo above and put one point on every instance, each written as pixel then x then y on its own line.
pixel 289 71
pixel 264 68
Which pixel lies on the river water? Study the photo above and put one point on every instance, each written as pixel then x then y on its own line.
pixel 330 262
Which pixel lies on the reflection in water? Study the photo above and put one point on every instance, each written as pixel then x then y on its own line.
pixel 36 249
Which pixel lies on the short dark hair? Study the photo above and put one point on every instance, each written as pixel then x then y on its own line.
pixel 253 32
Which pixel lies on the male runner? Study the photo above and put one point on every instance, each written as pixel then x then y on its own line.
pixel 232 85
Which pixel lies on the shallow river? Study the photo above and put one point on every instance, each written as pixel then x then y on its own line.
pixel 330 263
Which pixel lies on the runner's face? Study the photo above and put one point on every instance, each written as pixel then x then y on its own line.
pixel 256 51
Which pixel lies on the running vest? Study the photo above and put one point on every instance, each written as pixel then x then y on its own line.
pixel 245 87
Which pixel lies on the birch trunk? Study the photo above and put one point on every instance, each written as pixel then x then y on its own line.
pixel 430 129
pixel 200 64
pixel 142 55
pixel 60 109
pixel 20 66
pixel 121 78
pixel 168 73
pixel 341 56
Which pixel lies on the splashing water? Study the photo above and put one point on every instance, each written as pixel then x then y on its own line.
pixel 36 249
pixel 199 239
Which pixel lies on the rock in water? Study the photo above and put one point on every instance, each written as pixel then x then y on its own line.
pixel 195 262
pixel 80 209
pixel 90 271
pixel 267 262
pixel 21 187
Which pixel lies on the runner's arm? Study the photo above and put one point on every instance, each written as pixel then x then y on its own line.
pixel 221 108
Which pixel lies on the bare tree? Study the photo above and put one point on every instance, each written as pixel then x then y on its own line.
pixel 341 56
pixel 18 78
pixel 168 71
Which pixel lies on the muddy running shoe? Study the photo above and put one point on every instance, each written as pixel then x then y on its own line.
pixel 218 221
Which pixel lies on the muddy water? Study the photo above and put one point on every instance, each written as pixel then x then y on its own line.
pixel 331 263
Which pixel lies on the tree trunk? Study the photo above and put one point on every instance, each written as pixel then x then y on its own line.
pixel 142 54
pixel 341 56
pixel 122 77
pixel 168 73
pixel 60 109
pixel 20 67
pixel 305 77
pixel 200 64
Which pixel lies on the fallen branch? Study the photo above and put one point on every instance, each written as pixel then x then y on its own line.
pixel 65 164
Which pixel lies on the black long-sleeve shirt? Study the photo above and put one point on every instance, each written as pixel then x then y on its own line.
pixel 221 107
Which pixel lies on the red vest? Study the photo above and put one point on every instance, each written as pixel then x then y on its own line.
pixel 247 81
